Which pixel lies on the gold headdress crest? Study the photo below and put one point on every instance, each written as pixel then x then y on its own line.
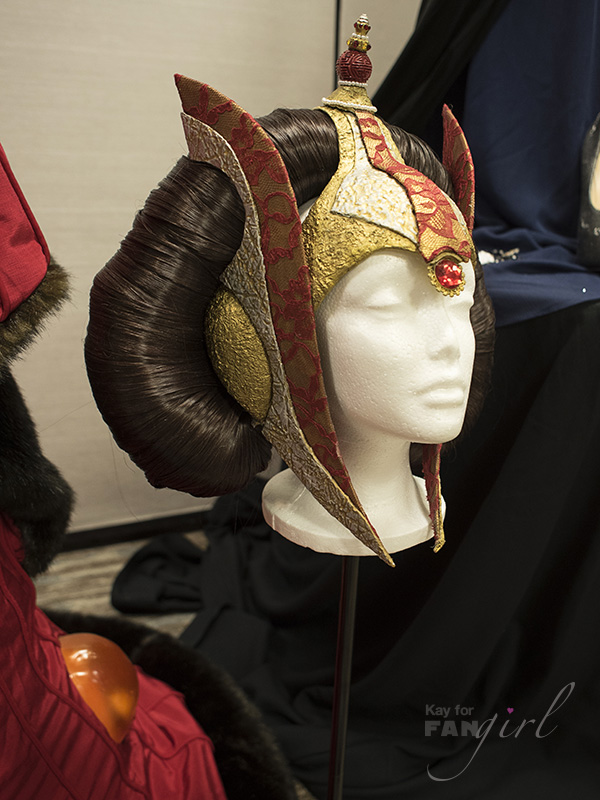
pixel 260 328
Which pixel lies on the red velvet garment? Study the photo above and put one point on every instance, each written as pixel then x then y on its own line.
pixel 52 747
pixel 24 253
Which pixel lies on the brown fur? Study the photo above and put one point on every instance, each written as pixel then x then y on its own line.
pixel 20 328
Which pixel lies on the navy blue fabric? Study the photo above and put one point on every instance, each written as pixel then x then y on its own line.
pixel 532 92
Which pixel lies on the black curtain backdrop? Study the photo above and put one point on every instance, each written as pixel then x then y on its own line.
pixel 429 70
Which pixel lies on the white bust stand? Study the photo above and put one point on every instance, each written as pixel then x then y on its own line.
pixel 397 359
pixel 292 511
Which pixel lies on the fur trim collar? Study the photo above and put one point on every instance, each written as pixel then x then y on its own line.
pixel 20 328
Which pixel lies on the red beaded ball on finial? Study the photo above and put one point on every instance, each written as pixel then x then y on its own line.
pixel 354 64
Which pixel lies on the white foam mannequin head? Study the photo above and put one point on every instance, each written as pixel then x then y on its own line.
pixel 397 359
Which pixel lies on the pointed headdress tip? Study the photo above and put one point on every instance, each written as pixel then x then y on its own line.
pixel 354 69
pixel 456 157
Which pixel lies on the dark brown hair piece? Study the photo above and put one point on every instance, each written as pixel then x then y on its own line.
pixel 149 370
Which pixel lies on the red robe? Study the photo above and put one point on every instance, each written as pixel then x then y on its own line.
pixel 52 747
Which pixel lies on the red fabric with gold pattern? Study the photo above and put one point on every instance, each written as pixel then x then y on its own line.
pixel 457 159
pixel 24 253
pixel 431 473
pixel 287 273
pixel 436 219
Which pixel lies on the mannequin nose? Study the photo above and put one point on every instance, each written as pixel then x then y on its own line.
pixel 443 339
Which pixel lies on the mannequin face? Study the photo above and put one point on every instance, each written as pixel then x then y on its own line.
pixel 397 355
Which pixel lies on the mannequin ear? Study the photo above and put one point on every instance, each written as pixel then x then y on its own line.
pixel 457 159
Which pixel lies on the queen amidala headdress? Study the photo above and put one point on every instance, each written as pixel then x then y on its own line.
pixel 260 327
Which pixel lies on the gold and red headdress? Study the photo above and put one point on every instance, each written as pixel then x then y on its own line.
pixel 260 328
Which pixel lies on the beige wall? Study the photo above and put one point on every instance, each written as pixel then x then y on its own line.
pixel 89 118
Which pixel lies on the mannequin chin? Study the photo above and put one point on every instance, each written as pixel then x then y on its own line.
pixel 397 359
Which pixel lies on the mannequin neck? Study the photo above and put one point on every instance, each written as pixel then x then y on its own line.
pixel 379 467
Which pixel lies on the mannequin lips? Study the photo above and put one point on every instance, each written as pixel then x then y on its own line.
pixel 451 393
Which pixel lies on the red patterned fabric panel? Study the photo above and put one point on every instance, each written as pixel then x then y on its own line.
pixel 287 274
pixel 457 159
pixel 439 229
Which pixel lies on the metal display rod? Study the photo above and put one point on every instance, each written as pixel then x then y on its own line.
pixel 343 675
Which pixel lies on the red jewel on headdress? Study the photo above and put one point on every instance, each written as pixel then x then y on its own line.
pixel 449 274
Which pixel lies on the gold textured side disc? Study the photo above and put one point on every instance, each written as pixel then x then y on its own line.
pixel 237 354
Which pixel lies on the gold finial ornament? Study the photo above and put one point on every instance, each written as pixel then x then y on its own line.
pixel 360 39
pixel 353 69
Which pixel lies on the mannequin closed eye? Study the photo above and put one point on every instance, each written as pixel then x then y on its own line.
pixel 402 281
